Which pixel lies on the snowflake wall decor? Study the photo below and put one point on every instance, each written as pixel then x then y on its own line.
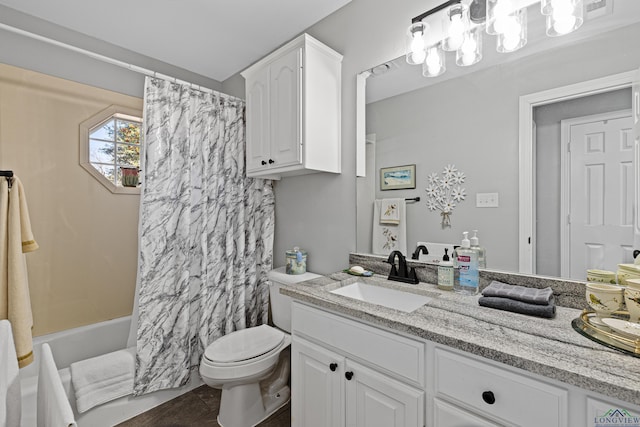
pixel 444 192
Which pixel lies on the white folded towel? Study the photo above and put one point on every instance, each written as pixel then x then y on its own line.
pixel 390 211
pixel 10 391
pixel 54 409
pixel 103 378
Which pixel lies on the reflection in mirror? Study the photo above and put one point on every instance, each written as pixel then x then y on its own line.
pixel 470 118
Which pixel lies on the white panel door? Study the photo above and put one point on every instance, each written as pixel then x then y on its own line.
pixel 285 90
pixel 602 192
pixel 375 400
pixel 317 381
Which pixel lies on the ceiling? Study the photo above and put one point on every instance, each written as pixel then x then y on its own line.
pixel 214 38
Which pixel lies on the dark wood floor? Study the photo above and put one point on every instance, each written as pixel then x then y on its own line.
pixel 197 408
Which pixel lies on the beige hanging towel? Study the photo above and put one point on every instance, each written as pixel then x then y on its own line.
pixel 16 239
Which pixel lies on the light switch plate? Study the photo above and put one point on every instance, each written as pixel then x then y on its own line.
pixel 487 200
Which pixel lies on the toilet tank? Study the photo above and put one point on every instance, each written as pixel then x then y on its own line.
pixel 281 304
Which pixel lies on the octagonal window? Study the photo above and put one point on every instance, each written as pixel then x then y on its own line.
pixel 110 148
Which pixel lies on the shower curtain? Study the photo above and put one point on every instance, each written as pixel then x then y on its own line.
pixel 206 233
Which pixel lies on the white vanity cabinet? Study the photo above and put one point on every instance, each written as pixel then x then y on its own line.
pixel 293 111
pixel 346 373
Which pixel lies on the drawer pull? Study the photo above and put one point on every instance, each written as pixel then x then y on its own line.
pixel 348 375
pixel 488 397
pixel 271 161
pixel 263 163
pixel 333 367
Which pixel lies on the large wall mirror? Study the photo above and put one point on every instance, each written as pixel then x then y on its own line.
pixel 470 117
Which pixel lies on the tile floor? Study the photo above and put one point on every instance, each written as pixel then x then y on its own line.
pixel 197 408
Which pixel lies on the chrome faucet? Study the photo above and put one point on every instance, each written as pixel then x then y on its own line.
pixel 400 273
pixel 421 248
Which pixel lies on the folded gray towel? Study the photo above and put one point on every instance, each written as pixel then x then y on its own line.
pixel 518 293
pixel 507 304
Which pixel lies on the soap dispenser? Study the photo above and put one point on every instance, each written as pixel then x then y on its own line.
pixel 482 252
pixel 445 272
pixel 467 262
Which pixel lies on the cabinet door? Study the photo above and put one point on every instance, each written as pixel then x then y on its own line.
pixel 257 108
pixel 447 415
pixel 375 400
pixel 317 381
pixel 285 92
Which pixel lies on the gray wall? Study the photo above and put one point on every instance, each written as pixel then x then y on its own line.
pixel 548 138
pixel 472 122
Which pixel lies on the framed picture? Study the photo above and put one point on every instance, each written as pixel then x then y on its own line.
pixel 398 177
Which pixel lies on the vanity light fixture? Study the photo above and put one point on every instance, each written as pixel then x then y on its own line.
pixel 457 25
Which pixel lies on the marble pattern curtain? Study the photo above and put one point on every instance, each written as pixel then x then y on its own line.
pixel 206 233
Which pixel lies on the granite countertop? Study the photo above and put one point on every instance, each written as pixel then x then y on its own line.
pixel 548 347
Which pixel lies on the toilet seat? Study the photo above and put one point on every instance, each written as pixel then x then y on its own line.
pixel 243 345
pixel 258 347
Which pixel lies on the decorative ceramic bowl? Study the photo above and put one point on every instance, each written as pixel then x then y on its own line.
pixel 601 276
pixel 632 301
pixel 604 299
pixel 627 272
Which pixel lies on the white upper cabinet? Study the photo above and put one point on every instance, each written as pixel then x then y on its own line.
pixel 294 111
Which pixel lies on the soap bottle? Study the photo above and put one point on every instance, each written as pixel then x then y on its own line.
pixel 445 272
pixel 482 252
pixel 468 266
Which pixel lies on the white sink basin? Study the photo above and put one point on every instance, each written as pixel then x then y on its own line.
pixel 403 301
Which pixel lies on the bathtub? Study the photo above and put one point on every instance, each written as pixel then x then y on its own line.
pixel 81 343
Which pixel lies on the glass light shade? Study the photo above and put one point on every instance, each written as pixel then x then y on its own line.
pixel 416 47
pixel 498 13
pixel 514 32
pixel 434 65
pixel 470 51
pixel 455 26
pixel 566 16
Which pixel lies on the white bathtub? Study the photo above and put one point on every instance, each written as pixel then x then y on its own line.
pixel 81 343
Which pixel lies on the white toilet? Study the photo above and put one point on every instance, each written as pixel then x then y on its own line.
pixel 250 365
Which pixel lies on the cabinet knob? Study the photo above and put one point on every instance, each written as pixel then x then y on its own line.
pixel 348 375
pixel 488 397
pixel 263 163
pixel 271 161
pixel 333 367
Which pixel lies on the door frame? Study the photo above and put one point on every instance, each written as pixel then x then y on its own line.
pixel 526 204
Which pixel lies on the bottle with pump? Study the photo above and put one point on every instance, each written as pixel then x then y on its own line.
pixel 468 266
pixel 482 252
pixel 445 272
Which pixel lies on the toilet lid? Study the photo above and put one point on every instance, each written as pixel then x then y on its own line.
pixel 244 344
